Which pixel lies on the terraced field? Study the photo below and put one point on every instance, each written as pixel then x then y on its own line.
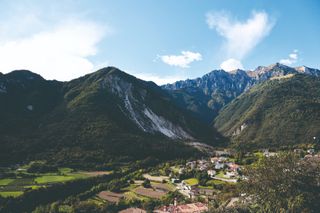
pixel 136 191
pixel 151 193
pixel 110 196
pixel 15 187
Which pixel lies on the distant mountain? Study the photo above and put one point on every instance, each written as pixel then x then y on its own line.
pixel 104 116
pixel 205 96
pixel 262 73
pixel 280 112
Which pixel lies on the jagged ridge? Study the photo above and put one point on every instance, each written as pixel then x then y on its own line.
pixel 205 96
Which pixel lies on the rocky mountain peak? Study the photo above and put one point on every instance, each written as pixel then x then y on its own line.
pixel 217 88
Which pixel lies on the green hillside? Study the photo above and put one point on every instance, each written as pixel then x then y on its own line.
pixel 107 116
pixel 279 112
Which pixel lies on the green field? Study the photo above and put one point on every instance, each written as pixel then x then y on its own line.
pixel 205 187
pixel 11 194
pixel 65 170
pixel 259 155
pixel 17 186
pixel 53 179
pixel 169 185
pixel 33 187
pixel 215 182
pixel 130 195
pixel 192 181
pixel 4 182
pixel 221 175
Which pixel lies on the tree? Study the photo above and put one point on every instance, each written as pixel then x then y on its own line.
pixel 284 183
pixel 150 205
pixel 146 183
pixel 87 206
pixel 41 167
pixel 203 178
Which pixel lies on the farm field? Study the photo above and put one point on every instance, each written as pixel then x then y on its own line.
pixel 110 196
pixel 216 182
pixel 166 187
pixel 156 178
pixel 130 196
pixel 53 179
pixel 23 181
pixel 192 181
pixel 5 181
pixel 11 194
pixel 136 191
pixel 96 173
pixel 149 192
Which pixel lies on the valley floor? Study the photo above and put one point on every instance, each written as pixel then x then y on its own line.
pixel 209 182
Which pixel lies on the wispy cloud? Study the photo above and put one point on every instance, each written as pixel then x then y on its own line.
pixel 240 36
pixel 292 58
pixel 182 60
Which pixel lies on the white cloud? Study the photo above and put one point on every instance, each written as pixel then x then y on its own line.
pixel 182 60
pixel 292 58
pixel 231 64
pixel 240 37
pixel 160 80
pixel 58 53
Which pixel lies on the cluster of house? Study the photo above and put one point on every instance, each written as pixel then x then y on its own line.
pixel 214 166
pixel 231 169
pixel 218 162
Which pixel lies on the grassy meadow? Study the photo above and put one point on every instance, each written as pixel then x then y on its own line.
pixel 21 181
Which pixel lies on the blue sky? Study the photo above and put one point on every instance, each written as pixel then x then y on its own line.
pixel 162 41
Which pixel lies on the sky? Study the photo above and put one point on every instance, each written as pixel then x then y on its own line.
pixel 161 41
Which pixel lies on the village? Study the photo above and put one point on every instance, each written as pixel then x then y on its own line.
pixel 221 171
pixel 182 186
pixel 196 182
pixel 219 168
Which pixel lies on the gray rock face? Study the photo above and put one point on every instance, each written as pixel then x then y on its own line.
pixel 133 99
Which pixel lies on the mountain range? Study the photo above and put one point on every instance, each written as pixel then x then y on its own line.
pixel 104 116
pixel 110 116
pixel 205 96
